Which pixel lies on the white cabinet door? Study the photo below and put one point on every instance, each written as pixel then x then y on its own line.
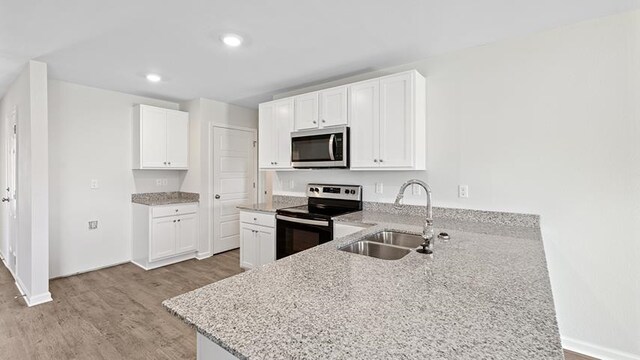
pixel 163 238
pixel 396 121
pixel 364 104
pixel 248 247
pixel 266 239
pixel 153 133
pixel 187 233
pixel 333 107
pixel 284 119
pixel 274 134
pixel 267 136
pixel 306 111
pixel 177 139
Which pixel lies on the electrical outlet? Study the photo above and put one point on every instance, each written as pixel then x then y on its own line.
pixel 158 182
pixel 93 224
pixel 416 190
pixel 292 184
pixel 94 184
pixel 463 191
pixel 165 182
pixel 379 188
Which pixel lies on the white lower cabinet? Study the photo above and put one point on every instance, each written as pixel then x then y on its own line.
pixel 257 242
pixel 164 235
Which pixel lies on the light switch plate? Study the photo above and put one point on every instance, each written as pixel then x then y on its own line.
pixel 158 182
pixel 379 188
pixel 165 182
pixel 94 184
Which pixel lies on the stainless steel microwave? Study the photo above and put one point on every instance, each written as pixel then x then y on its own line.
pixel 321 148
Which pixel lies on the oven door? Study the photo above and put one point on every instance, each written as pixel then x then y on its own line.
pixel 295 234
pixel 324 148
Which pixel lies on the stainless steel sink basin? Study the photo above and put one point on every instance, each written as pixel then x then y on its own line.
pixel 376 250
pixel 387 245
pixel 396 238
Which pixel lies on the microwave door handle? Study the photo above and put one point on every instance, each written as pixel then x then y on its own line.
pixel 332 141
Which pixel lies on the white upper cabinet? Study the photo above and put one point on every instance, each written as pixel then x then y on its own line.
pixel 306 111
pixel 333 107
pixel 321 109
pixel 365 124
pixel 388 117
pixel 275 127
pixel 160 138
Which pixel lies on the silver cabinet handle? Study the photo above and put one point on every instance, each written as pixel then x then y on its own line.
pixel 178 220
pixel 5 200
pixel 324 121
pixel 380 160
pixel 375 160
pixel 314 121
pixel 255 219
pixel 165 163
pixel 169 162
pixel 174 221
pixel 217 196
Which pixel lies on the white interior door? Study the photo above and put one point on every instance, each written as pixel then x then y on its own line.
pixel 234 183
pixel 10 232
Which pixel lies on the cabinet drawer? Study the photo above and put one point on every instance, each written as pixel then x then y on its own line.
pixel 176 209
pixel 258 218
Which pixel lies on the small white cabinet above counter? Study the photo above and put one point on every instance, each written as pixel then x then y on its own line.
pixel 160 138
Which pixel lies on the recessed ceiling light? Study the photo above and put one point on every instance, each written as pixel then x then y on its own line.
pixel 154 77
pixel 233 40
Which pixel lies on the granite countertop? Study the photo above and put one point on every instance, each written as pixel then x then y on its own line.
pixel 483 294
pixel 165 198
pixel 277 202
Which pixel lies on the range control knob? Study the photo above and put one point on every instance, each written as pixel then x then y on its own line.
pixel 353 192
pixel 346 191
pixel 316 190
pixel 310 189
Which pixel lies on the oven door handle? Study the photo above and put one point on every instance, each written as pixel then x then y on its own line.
pixel 332 140
pixel 302 221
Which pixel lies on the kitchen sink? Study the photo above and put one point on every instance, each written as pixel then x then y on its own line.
pixel 387 245
pixel 376 250
pixel 396 238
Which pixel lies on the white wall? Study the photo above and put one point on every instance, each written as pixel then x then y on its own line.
pixel 28 95
pixel 90 138
pixel 203 114
pixel 547 124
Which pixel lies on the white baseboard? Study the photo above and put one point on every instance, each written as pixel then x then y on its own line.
pixel 596 351
pixel 32 300
pixel 202 256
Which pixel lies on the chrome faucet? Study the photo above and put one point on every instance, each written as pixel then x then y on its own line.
pixel 427 231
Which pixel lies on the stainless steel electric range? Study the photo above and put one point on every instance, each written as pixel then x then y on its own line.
pixel 302 227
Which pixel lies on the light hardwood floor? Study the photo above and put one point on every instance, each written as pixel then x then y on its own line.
pixel 114 313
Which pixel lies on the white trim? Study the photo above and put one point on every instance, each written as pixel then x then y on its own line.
pixel 90 270
pixel 585 348
pixel 31 300
pixel 202 256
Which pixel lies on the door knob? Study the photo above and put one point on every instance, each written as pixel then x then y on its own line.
pixel 5 199
pixel 217 196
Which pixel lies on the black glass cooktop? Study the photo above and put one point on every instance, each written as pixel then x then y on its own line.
pixel 316 211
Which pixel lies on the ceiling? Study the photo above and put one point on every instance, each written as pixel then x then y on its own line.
pixel 289 43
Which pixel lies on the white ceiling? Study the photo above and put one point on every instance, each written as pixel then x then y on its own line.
pixel 112 44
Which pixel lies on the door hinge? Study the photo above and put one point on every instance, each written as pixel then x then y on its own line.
pixel 254 143
pixel 254 185
pixel 15 129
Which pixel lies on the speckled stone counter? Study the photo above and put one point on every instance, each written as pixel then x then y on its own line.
pixel 164 198
pixel 484 294
pixel 277 202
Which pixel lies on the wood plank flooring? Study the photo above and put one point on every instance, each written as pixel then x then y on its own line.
pixel 114 313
